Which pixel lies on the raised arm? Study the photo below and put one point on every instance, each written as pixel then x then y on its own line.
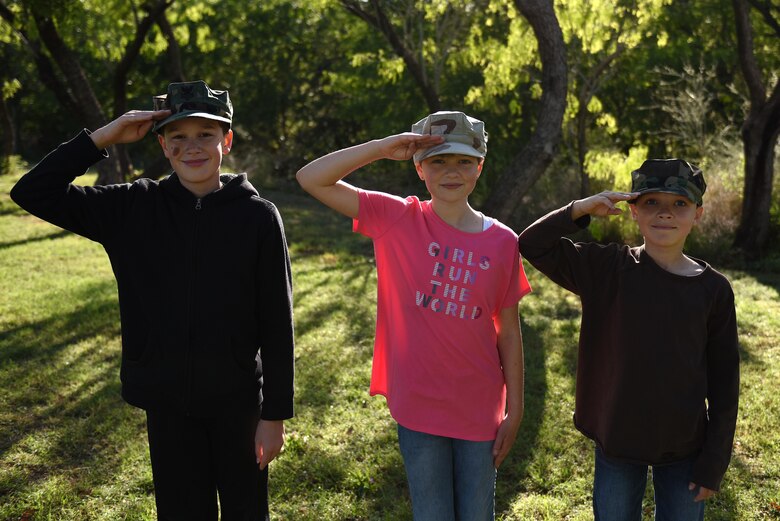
pixel 322 178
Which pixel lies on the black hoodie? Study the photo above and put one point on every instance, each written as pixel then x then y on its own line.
pixel 205 288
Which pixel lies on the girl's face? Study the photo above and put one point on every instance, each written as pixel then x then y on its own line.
pixel 195 147
pixel 665 220
pixel 450 177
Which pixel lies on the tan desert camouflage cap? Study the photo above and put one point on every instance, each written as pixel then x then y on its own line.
pixel 462 134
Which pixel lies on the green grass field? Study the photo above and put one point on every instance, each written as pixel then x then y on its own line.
pixel 70 449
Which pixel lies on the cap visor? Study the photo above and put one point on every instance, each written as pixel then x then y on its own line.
pixel 664 191
pixel 188 114
pixel 449 148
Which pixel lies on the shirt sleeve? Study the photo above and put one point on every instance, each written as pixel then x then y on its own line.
pixel 545 246
pixel 276 369
pixel 378 212
pixel 47 191
pixel 722 391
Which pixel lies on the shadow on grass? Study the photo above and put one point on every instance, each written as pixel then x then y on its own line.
pixel 60 382
pixel 50 236
pixel 323 369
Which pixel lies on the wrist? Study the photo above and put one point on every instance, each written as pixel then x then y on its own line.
pixel 99 139
pixel 577 211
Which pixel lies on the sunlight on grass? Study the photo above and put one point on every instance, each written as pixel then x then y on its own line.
pixel 70 449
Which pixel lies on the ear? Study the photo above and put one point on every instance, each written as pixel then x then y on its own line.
pixel 163 145
pixel 227 144
pixel 699 213
pixel 632 207
pixel 418 167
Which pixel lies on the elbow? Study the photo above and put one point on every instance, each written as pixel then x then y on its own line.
pixel 17 195
pixel 303 180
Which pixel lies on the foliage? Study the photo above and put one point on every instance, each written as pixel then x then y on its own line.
pixel 309 77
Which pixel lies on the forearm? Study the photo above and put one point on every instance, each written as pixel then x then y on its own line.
pixel 510 350
pixel 328 170
pixel 46 190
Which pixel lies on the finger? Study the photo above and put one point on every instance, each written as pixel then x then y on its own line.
pixel 258 453
pixel 266 458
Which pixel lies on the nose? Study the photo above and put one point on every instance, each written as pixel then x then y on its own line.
pixel 665 210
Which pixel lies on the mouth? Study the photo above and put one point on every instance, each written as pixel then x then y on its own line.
pixel 194 163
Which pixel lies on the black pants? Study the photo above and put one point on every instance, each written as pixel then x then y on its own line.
pixel 195 459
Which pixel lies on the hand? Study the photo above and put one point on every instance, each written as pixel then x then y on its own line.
pixel 505 438
pixel 602 204
pixel 269 438
pixel 403 146
pixel 127 128
pixel 704 493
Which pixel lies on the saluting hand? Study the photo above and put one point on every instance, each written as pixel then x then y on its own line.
pixel 127 128
pixel 403 146
pixel 602 204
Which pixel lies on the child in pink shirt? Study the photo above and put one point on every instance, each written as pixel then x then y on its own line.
pixel 448 350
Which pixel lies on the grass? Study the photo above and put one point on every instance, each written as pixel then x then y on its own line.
pixel 70 449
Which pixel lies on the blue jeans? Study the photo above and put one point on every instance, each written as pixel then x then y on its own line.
pixel 449 479
pixel 618 489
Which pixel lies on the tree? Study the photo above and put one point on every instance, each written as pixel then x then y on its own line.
pixel 429 33
pixel 598 34
pixel 60 67
pixel 759 132
pixel 534 158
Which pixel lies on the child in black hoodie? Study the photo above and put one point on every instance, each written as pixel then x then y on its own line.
pixel 205 298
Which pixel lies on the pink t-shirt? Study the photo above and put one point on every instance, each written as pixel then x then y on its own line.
pixel 435 354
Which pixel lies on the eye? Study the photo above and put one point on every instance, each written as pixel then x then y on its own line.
pixel 465 161
pixel 681 203
pixel 650 201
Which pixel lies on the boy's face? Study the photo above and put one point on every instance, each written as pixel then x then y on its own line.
pixel 195 147
pixel 450 177
pixel 665 220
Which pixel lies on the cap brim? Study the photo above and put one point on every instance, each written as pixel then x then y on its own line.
pixel 681 192
pixel 450 147
pixel 188 114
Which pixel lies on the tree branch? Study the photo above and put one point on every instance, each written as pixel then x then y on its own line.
pixel 765 8
pixel 747 61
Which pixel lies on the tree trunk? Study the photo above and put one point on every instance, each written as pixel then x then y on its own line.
pixel 534 158
pixel 175 68
pixel 120 78
pixel 759 135
pixel 7 137
pixel 88 107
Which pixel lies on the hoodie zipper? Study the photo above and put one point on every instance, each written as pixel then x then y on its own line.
pixel 190 307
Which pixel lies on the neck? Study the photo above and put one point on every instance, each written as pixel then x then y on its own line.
pixel 459 215
pixel 202 189
pixel 672 260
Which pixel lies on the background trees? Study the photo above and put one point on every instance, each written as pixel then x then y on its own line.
pixel 575 94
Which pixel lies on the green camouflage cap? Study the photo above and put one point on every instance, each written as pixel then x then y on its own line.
pixel 462 135
pixel 672 176
pixel 193 99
